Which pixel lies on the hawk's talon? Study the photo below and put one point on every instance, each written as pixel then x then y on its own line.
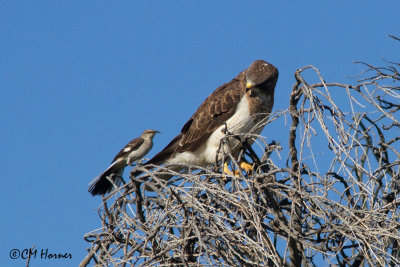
pixel 226 171
pixel 247 167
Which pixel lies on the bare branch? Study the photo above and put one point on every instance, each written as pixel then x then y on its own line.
pixel 335 199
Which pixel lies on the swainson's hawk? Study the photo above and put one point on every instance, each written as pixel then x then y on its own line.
pixel 239 105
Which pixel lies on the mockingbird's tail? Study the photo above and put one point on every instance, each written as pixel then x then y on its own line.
pixel 101 185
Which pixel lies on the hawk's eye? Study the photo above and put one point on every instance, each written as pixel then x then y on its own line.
pixel 268 81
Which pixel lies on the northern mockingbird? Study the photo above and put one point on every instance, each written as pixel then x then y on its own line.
pixel 132 152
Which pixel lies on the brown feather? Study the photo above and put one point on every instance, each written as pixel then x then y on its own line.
pixel 212 113
pixel 215 110
pixel 221 105
pixel 164 154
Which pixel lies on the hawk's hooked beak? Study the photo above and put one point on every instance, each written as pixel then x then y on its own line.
pixel 249 85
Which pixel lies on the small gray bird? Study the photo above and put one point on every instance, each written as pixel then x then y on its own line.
pixel 132 152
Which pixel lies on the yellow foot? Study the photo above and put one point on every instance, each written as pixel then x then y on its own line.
pixel 226 169
pixel 243 165
pixel 246 166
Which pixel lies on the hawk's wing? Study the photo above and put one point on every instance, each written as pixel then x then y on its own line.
pixel 212 113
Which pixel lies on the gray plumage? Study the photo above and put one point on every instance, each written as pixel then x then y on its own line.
pixel 135 150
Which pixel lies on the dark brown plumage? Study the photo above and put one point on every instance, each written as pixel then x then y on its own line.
pixel 256 84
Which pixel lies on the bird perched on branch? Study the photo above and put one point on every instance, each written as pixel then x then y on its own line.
pixel 132 152
pixel 238 107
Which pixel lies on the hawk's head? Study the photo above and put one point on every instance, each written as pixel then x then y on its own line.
pixel 261 75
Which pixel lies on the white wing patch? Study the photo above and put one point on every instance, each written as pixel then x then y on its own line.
pixel 127 149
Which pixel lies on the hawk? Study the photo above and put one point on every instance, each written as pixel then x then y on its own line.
pixel 236 107
pixel 135 150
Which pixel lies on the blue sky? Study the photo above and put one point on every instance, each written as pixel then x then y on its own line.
pixel 79 79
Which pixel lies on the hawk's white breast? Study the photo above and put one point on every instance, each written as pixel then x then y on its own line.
pixel 240 122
